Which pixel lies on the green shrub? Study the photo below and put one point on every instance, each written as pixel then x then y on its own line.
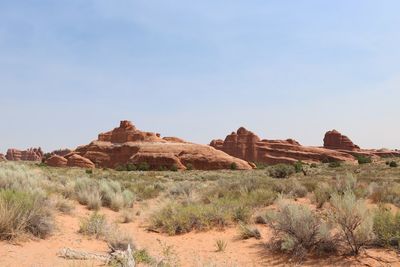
pixel 142 256
pixel 298 166
pixel 363 159
pixel 189 166
pixel 313 165
pixel 281 171
pixel 385 193
pixel 334 164
pixel 298 230
pixel 143 166
pixel 89 171
pixel 64 205
pixel 174 168
pixel 387 228
pixel 393 164
pixel 233 166
pixel 118 240
pixel 24 212
pixel 131 167
pixel 353 219
pixel 120 168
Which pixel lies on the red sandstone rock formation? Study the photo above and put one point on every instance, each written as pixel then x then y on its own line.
pixel 31 154
pixel 79 161
pixel 246 145
pixel 126 144
pixel 57 161
pixel 335 140
pixel 61 152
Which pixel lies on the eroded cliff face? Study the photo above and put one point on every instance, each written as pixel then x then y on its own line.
pixel 128 145
pixel 248 146
pixel 31 154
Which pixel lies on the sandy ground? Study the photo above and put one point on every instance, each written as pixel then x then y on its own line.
pixel 193 249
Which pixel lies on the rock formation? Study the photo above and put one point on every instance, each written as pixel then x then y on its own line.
pixel 31 154
pixel 248 146
pixel 76 160
pixel 57 161
pixel 336 141
pixel 61 152
pixel 128 145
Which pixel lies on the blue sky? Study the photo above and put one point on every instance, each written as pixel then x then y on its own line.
pixel 70 69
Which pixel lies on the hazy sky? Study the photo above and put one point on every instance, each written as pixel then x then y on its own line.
pixel 70 69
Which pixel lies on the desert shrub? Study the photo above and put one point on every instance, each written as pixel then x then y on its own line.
pixel 298 166
pixel 363 159
pixel 281 171
pixel 241 214
pixel 129 198
pixel 189 166
pixel 89 171
pixel 174 168
pixel 233 166
pixel 143 166
pixel 143 256
pixel 291 188
pixel 64 205
pixel 181 189
pixel 220 245
pixel 117 202
pixel 393 164
pixel 334 164
pixel 313 165
pixel 246 232
pixel 146 190
pixel 127 216
pixel 387 227
pixel 121 168
pixel 95 225
pixel 260 165
pixel 131 167
pixel 385 193
pixel 118 240
pixel 353 219
pixel 322 194
pixel 86 191
pixel 345 183
pixel 24 212
pixel 298 230
pixel 93 200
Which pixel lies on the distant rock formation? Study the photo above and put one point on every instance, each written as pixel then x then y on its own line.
pixel 61 152
pixel 248 146
pixel 336 141
pixel 56 161
pixel 31 154
pixel 128 145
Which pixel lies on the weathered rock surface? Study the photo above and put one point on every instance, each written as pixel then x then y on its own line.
pixel 246 145
pixel 61 152
pixel 336 141
pixel 79 161
pixel 31 154
pixel 57 161
pixel 126 144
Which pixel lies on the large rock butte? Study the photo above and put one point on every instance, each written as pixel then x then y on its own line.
pixel 246 145
pixel 128 145
pixel 56 161
pixel 31 154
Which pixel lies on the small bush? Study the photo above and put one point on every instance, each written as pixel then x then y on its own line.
pixel 127 216
pixel 387 228
pixel 142 256
pixel 385 193
pixel 245 232
pixel 313 165
pixel 174 168
pixel 117 240
pixel 64 205
pixel 189 166
pixel 322 194
pixel 334 164
pixel 363 159
pixel 393 164
pixel 120 168
pixel 241 214
pixel 96 225
pixel 131 167
pixel 143 166
pixel 89 171
pixel 220 245
pixel 23 212
pixel 281 171
pixel 298 230
pixel 353 219
pixel 233 166
pixel 93 199
pixel 298 166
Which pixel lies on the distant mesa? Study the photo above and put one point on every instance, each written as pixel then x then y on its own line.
pixel 31 154
pixel 248 146
pixel 127 145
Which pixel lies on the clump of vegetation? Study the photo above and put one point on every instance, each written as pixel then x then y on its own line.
pixel 246 232
pixel 233 166
pixel 387 228
pixel 322 194
pixel 298 230
pixel 143 166
pixel 64 205
pixel 385 193
pixel 118 240
pixel 281 171
pixel 127 216
pixel 298 166
pixel 24 212
pixel 220 245
pixel 363 159
pixel 353 219
pixel 393 164
pixel 96 225
pixel 143 256
pixel 334 164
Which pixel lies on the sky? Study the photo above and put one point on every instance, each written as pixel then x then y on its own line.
pixel 70 69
